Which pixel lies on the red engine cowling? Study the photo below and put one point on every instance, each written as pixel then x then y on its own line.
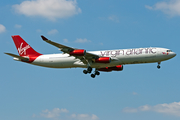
pixel 103 60
pixel 106 69
pixel 109 69
pixel 117 68
pixel 79 52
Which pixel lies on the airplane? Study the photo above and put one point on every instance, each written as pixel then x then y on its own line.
pixel 104 60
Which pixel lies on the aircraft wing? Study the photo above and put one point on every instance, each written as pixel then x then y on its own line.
pixel 67 49
pixel 16 56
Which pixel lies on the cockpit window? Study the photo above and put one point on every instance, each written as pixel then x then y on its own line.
pixel 169 50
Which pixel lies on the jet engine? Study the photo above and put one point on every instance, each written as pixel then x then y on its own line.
pixel 79 52
pixel 109 69
pixel 103 60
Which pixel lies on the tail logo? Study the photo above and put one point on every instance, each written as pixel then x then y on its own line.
pixel 22 50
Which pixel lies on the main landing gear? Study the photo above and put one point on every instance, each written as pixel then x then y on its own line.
pixel 95 73
pixel 159 65
pixel 89 70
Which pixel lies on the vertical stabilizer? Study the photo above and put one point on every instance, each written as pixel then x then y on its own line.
pixel 23 48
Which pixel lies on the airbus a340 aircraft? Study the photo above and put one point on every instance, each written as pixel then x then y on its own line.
pixel 105 60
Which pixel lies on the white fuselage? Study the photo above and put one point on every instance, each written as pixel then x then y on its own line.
pixel 119 57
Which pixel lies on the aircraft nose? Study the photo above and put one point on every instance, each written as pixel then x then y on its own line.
pixel 173 54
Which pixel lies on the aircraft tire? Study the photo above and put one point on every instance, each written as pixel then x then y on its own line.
pixel 89 69
pixel 93 76
pixel 97 73
pixel 85 71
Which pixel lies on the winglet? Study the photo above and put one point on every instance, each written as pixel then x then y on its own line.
pixel 44 38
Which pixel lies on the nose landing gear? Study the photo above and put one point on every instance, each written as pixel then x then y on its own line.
pixel 159 65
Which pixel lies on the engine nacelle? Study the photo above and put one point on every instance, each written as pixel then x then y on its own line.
pixel 106 69
pixel 109 69
pixel 79 52
pixel 103 60
pixel 117 68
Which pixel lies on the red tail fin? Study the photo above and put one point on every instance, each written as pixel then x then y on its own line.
pixel 23 48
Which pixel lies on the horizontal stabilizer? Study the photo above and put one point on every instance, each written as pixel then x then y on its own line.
pixel 16 56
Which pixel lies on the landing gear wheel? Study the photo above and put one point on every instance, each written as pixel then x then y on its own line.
pixel 85 71
pixel 93 76
pixel 97 73
pixel 89 69
pixel 158 67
